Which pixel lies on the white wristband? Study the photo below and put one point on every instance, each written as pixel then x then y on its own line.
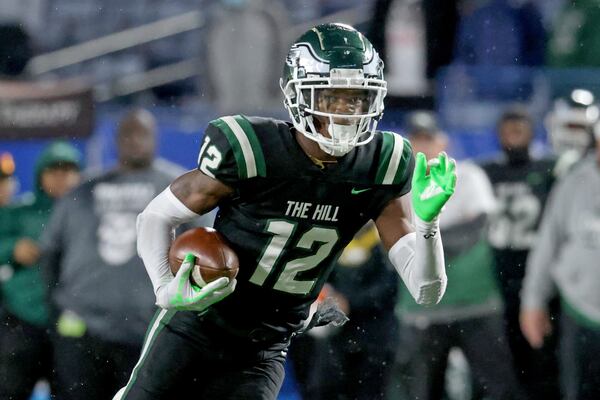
pixel 419 259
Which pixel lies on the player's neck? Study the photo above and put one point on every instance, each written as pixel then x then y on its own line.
pixel 314 152
pixel 125 166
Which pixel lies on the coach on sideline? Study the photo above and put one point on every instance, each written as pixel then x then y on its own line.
pixel 99 287
pixel 566 258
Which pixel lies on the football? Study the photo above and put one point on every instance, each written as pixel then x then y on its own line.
pixel 214 257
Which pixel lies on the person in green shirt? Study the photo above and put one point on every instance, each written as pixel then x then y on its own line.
pixel 7 189
pixel 25 350
pixel 469 316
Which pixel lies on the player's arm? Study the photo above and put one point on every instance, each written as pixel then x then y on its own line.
pixel 220 169
pixel 189 196
pixel 52 242
pixel 538 285
pixel 198 192
pixel 418 255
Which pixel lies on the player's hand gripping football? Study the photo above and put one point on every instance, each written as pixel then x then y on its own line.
pixel 180 294
pixel 431 191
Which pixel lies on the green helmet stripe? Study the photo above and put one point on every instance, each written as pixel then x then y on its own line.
pixel 259 157
pixel 393 159
pixel 360 36
pixel 236 147
pixel 160 320
pixel 320 37
pixel 330 42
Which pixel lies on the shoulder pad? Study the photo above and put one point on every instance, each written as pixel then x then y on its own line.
pixel 244 144
pixel 394 159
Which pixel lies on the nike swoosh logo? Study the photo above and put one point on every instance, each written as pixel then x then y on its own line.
pixel 431 191
pixel 357 191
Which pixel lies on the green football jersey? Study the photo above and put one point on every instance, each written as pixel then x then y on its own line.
pixel 289 219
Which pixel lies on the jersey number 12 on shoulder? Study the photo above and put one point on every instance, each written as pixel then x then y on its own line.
pixel 211 160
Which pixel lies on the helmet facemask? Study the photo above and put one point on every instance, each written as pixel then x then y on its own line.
pixel 312 85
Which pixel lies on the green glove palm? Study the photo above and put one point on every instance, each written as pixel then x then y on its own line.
pixel 180 294
pixel 431 191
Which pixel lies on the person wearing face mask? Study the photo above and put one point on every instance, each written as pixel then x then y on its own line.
pixel 564 262
pixel 521 185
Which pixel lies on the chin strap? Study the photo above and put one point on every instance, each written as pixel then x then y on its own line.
pixel 333 152
pixel 419 259
pixel 339 132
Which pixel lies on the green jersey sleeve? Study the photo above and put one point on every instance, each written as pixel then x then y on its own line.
pixel 395 158
pixel 394 171
pixel 231 151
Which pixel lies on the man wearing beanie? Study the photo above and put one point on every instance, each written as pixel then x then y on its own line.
pixel 25 351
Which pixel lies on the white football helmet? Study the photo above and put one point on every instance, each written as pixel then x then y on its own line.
pixel 326 58
pixel 572 122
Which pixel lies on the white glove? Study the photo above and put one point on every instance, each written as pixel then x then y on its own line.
pixel 180 294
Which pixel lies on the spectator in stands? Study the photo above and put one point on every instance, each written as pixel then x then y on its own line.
pixel 252 31
pixel 30 15
pixel 469 316
pixel 7 182
pixel 550 10
pixel 521 185
pixel 565 260
pixel 415 38
pixel 15 50
pixel 575 40
pixel 25 346
pixel 99 288
pixel 503 33
pixel 7 228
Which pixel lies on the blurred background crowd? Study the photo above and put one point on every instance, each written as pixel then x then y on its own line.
pixel 104 102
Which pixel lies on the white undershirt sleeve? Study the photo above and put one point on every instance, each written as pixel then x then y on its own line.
pixel 155 232
pixel 419 259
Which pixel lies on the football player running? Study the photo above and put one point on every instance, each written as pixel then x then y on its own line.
pixel 290 197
